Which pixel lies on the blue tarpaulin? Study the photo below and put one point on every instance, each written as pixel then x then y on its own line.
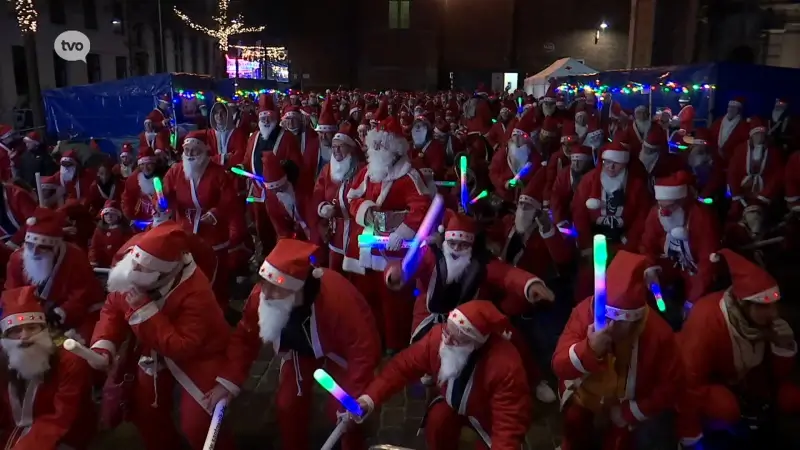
pixel 114 108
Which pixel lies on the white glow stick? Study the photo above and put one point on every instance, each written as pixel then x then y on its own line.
pixel 216 424
pixel 101 270
pixel 78 349
pixel 337 433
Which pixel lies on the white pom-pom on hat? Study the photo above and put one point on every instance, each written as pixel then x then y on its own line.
pixel 714 257
pixel 317 272
pixel 593 203
pixel 679 233
pixel 440 229
pixel 30 221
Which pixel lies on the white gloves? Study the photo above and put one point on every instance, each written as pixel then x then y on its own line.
pixel 326 211
pixel 616 417
pixel 395 241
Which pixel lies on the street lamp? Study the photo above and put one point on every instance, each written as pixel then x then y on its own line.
pixel 603 25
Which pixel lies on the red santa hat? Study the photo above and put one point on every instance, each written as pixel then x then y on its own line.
pixel 549 127
pixel 111 207
pixel 382 112
pixel 441 127
pixel 287 264
pixel 161 249
pixel 459 228
pixel 274 175
pixel 34 137
pixel 198 138
pixel 164 99
pixel 127 148
pixel 672 187
pixel 478 319
pixel 359 105
pixel 21 306
pixel 616 153
pixel 656 138
pixel 291 111
pixel 626 293
pixel 568 133
pixel 50 183
pixel 146 156
pixel 737 102
pixel 156 118
pixel 616 111
pixel 69 157
pixel 266 105
pixel 524 126
pixel 45 227
pixel 426 117
pixel 701 137
pixel 481 90
pixel 348 134
pixel 327 121
pixel 395 141
pixel 581 153
pixel 551 95
pixel 750 283
pixel 756 126
pixel 6 131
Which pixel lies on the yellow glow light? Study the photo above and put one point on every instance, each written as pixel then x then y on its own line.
pixel 26 15
pixel 225 27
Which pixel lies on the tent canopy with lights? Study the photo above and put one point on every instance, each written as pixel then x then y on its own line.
pixel 536 85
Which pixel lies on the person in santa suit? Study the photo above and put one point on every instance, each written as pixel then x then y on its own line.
pixel 588 130
pixel 18 203
pixel 48 403
pixel 738 353
pixel 301 312
pixel 566 183
pixel 226 140
pixel 639 129
pixel 61 274
pixel 509 161
pixel 705 165
pixel 497 136
pixel 755 171
pixel 287 211
pixel 35 158
pixel 685 118
pixel 79 223
pixel 292 121
pixel 126 165
pixel 430 151
pixel 792 183
pixel 357 111
pixel 547 139
pixel 11 148
pixel 730 131
pixel 559 160
pixel 655 157
pixel 75 180
pixel 627 373
pixel 478 122
pixel 325 132
pixel 137 201
pixel 479 374
pixel 442 132
pixel 680 234
pixel 330 196
pixel 782 128
pixel 548 107
pixel 389 196
pixel 204 198
pixel 158 295
pixel 108 185
pixel 609 112
pixel 160 115
pixel 155 134
pixel 111 233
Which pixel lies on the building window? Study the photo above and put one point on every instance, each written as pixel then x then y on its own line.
pixel 206 57
pixel 58 13
pixel 178 41
pixel 122 67
pixel 159 46
pixel 193 54
pixel 93 70
pixel 60 69
pixel 20 69
pixel 141 64
pixel 89 14
pixel 399 14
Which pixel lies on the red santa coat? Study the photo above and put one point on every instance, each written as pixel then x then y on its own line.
pixel 402 193
pixel 634 138
pixel 79 188
pixel 338 306
pixel 432 155
pixel 634 212
pixel 497 401
pixel 157 141
pixel 137 197
pixel 215 194
pixel 8 159
pixel 186 330
pixel 727 140
pixel 18 204
pixel 558 161
pixel 226 149
pixel 291 223
pixel 309 149
pixel 655 374
pixel 285 147
pixel 72 287
pixel 561 196
pixel 692 261
pixel 54 412
pixel 686 118
pixel 98 197
pixel 498 134
pixel 329 192
pixel 792 182
pixel 752 182
pixel 106 241
pixel 502 169
pixel 540 253
pixel 709 179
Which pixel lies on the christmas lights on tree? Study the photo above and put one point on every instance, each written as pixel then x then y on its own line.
pixel 225 27
pixel 26 15
pixel 635 88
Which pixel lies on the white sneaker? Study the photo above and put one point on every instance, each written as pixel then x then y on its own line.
pixel 544 393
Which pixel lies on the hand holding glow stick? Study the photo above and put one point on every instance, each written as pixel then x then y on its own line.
pixel 483 194
pixel 216 424
pixel 327 383
pixel 378 242
pixel 655 288
pixel 523 172
pixel 434 212
pixel 705 200
pixel 162 201
pixel 246 174
pixel 78 349
pixel 600 261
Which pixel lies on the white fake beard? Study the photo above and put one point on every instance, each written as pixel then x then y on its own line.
pixel 673 220
pixel 273 315
pixel 612 184
pixel 548 110
pixel 519 154
pixel 339 168
pixel 457 262
pixel 523 220
pixel 643 126
pixel 453 359
pixel 378 164
pixel 31 361
pixel 122 278
pixel 419 136
pixel 147 185
pixel 266 129
pixel 194 167
pixel 67 173
pixel 150 136
pixel 581 129
pixel 37 269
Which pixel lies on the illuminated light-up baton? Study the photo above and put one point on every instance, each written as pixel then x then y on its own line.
pixel 246 174
pixel 141 224
pixel 705 200
pixel 655 288
pixel 450 184
pixel 600 260
pixel 379 242
pixel 409 265
pixel 462 162
pixel 349 403
pixel 483 194
pixel 523 172
pixel 567 231
pixel 101 270
pixel 78 349
pixel 216 424
pixel 162 201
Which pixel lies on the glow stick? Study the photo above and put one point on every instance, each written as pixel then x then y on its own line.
pixel 101 270
pixel 246 174
pixel 253 200
pixel 141 224
pixel 378 242
pixel 450 184
pixel 483 194
pixel 39 193
pixel 568 231
pixel 600 260
pixel 216 424
pixel 655 288
pixel 327 383
pixel 705 200
pixel 462 162
pixel 162 201
pixel 409 265
pixel 78 349
pixel 335 435
pixel 523 172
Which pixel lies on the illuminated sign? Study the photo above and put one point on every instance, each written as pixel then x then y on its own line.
pixel 247 69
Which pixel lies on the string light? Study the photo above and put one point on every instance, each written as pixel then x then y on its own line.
pixel 225 27
pixel 277 54
pixel 26 15
pixel 200 95
pixel 635 88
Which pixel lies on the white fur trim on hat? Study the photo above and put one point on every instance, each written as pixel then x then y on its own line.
pixel 548 99
pixel 25 139
pixel 696 141
pixel 317 272
pixel 440 229
pixel 546 133
pixel 518 132
pixel 461 321
pixel 735 103
pixel 278 278
pixel 194 141
pixel 146 160
pixel 758 130
pixel 148 121
pixel 105 211
pixel 593 203
pixel 530 200
pixel 580 113
pixel 354 109
pixel 580 157
pixel 679 233
pixel 151 262
pixel 275 184
pixel 291 114
pixel 263 114
pixel 345 138
pixel 22 319
pixel 41 239
pixel 670 192
pixel 326 129
pixel 459 236
pixel 624 315
pixel 714 257
pixel 770 295
pixel 618 156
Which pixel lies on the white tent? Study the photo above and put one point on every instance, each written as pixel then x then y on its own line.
pixel 536 85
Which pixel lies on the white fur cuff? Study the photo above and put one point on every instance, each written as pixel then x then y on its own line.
pixel 405 232
pixel 319 208
pixel 652 269
pixel 362 211
pixel 782 352
pixel 528 285
pixel 229 385
pixel 549 234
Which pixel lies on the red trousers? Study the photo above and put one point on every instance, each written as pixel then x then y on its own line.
pixel 443 429
pixel 579 432
pixel 264 230
pixel 392 309
pixel 294 404
pixel 155 423
pixel 221 282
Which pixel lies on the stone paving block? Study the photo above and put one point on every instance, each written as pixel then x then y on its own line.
pixel 391 436
pixel 392 417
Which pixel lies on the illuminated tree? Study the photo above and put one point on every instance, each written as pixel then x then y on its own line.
pixel 27 21
pixel 225 27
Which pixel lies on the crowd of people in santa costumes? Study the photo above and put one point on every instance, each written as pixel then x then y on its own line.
pixel 327 199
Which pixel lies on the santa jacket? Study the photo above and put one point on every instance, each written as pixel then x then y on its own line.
pixel 234 146
pixel 51 413
pixel 748 183
pixel 137 202
pixel 501 172
pixel 282 143
pixel 289 223
pixel 309 149
pixel 557 163
pixel 329 192
pixel 18 204
pixel 737 136
pixel 106 241
pixel 494 396
pixel 98 198
pixel 535 252
pixel 655 375
pixel 184 331
pixel 80 187
pixel 157 141
pixel 561 196
pixel 338 306
pixel 792 182
pixel 432 155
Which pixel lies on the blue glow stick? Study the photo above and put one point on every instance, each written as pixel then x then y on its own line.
pixel 600 260
pixel 410 261
pixel 523 172
pixel 327 382
pixel 655 288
